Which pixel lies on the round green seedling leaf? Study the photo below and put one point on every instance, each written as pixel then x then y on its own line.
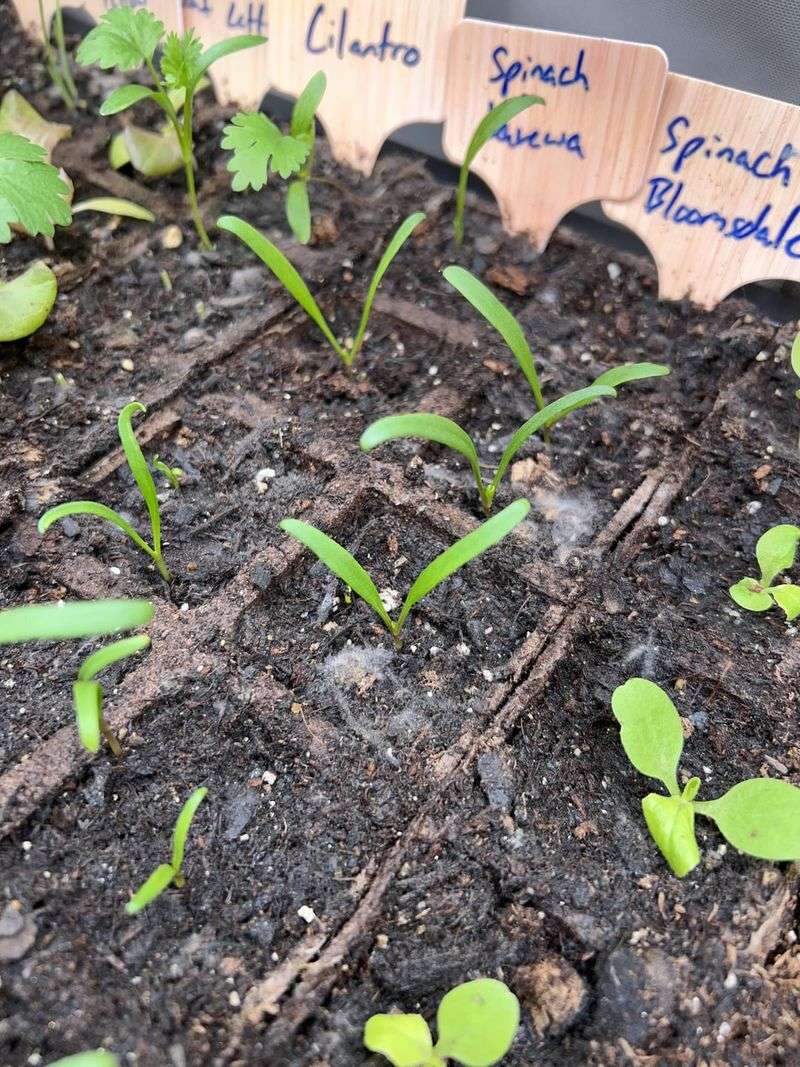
pixel 748 594
pixel 670 821
pixel 788 598
pixel 776 550
pixel 477 1023
pixel 26 301
pixel 404 1040
pixel 760 816
pixel 651 733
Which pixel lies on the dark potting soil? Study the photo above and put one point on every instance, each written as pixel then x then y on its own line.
pixel 459 807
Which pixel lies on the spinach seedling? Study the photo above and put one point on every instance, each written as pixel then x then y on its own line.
pixel 100 1058
pixel 476 1023
pixel 32 194
pixel 26 301
pixel 147 488
pixel 127 38
pixel 775 552
pixel 168 873
pixel 338 560
pixel 87 694
pixel 259 147
pixel 444 431
pixel 60 74
pixel 760 816
pixel 488 127
pixel 286 274
pixel 497 315
pixel 63 620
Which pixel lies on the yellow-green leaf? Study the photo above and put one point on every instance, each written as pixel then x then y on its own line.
pixel 26 301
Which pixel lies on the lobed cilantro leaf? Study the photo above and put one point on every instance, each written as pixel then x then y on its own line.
pixel 259 146
pixel 31 191
pixel 124 38
pixel 180 60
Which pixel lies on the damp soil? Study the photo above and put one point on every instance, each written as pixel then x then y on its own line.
pixel 455 808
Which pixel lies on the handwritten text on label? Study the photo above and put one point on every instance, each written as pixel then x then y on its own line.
pixel 545 73
pixel 762 165
pixel 337 40
pixel 250 19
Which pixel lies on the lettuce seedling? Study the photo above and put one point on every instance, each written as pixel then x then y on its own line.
pixel 489 125
pixel 100 1058
pixel 168 873
pixel 775 552
pixel 26 301
pixel 338 560
pixel 87 694
pixel 476 1023
pixel 147 488
pixel 286 274
pixel 259 147
pixel 32 195
pixel 63 620
pixel 126 39
pixel 760 816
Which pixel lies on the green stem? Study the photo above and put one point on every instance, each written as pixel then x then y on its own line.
pixel 461 199
pixel 63 59
pixel 188 166
pixel 111 737
pixel 163 569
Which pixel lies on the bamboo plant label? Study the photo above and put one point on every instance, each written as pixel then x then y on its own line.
pixel 721 203
pixel 592 135
pixel 169 11
pixel 241 79
pixel 384 61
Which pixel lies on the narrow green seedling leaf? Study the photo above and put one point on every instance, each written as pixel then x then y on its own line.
pixel 405 1040
pixel 228 47
pixel 64 620
pixel 631 372
pixel 124 97
pixel 88 694
pixel 304 112
pixel 27 300
pixel 489 125
pixel 760 816
pixel 32 194
pixel 114 205
pixel 298 210
pixel 147 488
pixel 100 1058
pixel 795 360
pixel 477 1022
pixel 276 261
pixel 167 873
pixel 651 731
pixel 775 551
pixel 338 560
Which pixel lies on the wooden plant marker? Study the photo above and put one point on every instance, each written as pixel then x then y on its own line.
pixel 169 11
pixel 590 139
pixel 243 78
pixel 721 203
pixel 384 61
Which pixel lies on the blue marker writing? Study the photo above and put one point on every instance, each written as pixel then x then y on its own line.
pixel 337 40
pixel 253 19
pixel 763 165
pixel 548 74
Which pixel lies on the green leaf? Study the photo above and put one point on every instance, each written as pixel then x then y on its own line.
pixel 305 107
pixel 87 698
pixel 228 47
pixel 548 416
pixel 338 560
pixel 651 732
pixel 795 357
pixel 787 597
pixel 760 817
pixel 113 205
pixel 631 372
pixel 489 125
pixel 477 1022
pixel 91 507
pixel 180 60
pixel 258 146
pixel 125 38
pixel 152 154
pixel 404 231
pixel 298 210
pixel 670 821
pixel 26 301
pixel 155 885
pixel 283 270
pixel 139 468
pixel 88 1059
pixel 776 550
pixel 31 192
pixel 112 653
pixel 63 620
pixel 498 316
pixel 748 594
pixel 404 1040
pixel 124 97
pixel 462 552
pixel 184 822
pixel 18 116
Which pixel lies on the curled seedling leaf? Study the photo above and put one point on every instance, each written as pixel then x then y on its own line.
pixel 26 301
pixel 88 694
pixel 775 552
pixel 114 205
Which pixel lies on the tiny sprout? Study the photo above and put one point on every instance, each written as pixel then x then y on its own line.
pixel 147 488
pixel 338 560
pixel 100 1058
pixel 775 552
pixel 167 873
pixel 476 1023
pixel 760 816
pixel 174 475
pixel 488 127
pixel 87 694
pixel 286 274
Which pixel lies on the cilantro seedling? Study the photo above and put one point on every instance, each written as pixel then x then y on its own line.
pixel 760 816
pixel 174 475
pixel 100 1058
pixel 26 301
pixel 476 1024
pixel 32 195
pixel 147 488
pixel 87 694
pixel 58 69
pixel 259 148
pixel 63 620
pixel 775 552
pixel 126 39
pixel 489 125
pixel 168 873
pixel 338 560
pixel 286 274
